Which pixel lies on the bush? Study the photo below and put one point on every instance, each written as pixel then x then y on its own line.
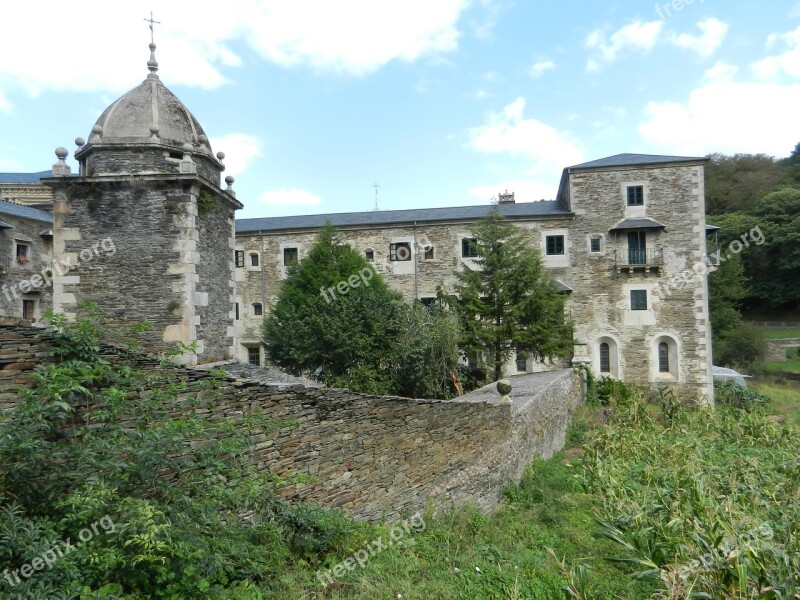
pixel 743 347
pixel 733 394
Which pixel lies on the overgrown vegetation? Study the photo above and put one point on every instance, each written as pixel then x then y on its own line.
pixel 703 502
pixel 91 442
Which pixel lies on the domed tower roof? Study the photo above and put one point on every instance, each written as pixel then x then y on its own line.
pixel 146 123
pixel 149 113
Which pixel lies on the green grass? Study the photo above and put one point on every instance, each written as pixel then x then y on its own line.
pixel 780 333
pixel 785 398
pixel 786 366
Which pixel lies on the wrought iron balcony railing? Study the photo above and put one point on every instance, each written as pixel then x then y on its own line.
pixel 632 259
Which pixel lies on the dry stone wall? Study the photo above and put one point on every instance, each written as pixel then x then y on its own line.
pixel 372 455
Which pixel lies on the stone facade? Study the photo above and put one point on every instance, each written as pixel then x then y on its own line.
pixel 25 261
pixel 664 341
pixel 378 457
pixel 149 187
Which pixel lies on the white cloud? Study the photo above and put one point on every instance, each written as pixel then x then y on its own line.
pixel 705 44
pixel 642 37
pixel 725 116
pixel 508 132
pixel 195 44
pixel 240 149
pixel 5 104
pixel 538 68
pixel 788 62
pixel 525 190
pixel 721 71
pixel 638 36
pixel 290 197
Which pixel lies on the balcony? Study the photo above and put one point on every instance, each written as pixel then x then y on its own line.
pixel 633 260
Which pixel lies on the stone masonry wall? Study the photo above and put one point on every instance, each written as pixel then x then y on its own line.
pixel 677 299
pixel 261 284
pixel 374 456
pixel 19 281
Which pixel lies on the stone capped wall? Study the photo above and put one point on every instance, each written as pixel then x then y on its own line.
pixel 374 456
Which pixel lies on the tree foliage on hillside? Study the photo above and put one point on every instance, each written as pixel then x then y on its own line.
pixel 746 193
pixel 365 338
pixel 510 301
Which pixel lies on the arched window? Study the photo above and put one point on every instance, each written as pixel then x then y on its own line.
pixel 258 310
pixel 663 357
pixel 605 358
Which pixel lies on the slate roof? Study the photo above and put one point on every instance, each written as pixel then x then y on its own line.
pixel 24 177
pixel 544 208
pixel 25 212
pixel 630 160
pixel 641 223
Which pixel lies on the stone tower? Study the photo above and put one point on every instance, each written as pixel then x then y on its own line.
pixel 144 229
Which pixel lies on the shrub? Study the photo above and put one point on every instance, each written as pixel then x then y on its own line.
pixel 743 347
pixel 733 394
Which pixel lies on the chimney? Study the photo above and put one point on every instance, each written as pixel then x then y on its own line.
pixel 505 198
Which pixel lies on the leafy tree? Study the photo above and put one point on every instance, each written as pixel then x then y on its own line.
pixel 367 338
pixel 726 288
pixel 510 301
pixel 734 182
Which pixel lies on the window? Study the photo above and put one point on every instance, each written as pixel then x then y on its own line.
pixel 258 309
pixel 239 257
pixel 28 309
pixel 369 255
pixel 237 311
pixel 663 357
pixel 635 195
pixel 554 244
pixel 254 260
pixel 428 253
pixel 594 244
pixel 22 253
pixel 254 355
pixel 400 251
pixel 469 248
pixel 290 256
pixel 605 358
pixel 638 299
pixel 637 248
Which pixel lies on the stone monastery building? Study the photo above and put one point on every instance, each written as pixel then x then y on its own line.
pixel 147 230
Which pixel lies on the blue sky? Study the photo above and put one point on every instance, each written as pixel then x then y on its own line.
pixel 441 102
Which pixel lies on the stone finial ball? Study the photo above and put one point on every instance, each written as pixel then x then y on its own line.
pixel 187 147
pixel 203 139
pixel 220 155
pixel 229 180
pixel 79 141
pixel 154 129
pixel 504 387
pixel 62 152
pixel 98 129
